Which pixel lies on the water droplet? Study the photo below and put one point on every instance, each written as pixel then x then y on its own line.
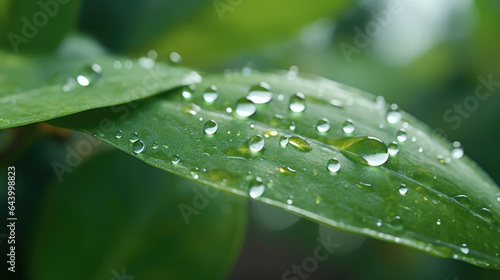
pixel 270 133
pixel 117 65
pixel 420 149
pixel 463 199
pixel 333 165
pixel 69 85
pixel 191 108
pixel 457 151
pixel 119 134
pixel 498 196
pixel 486 214
pixel 366 149
pixel 155 145
pixel 245 108
pixel 380 102
pixel 289 201
pixel 138 147
pixel 443 160
pixel 260 94
pixel 146 62
pixel 128 64
pixel 257 188
pixel 89 75
pixel 393 148
pixel 298 102
pixel 300 143
pixel 337 103
pixel 252 125
pixel 134 137
pixel 403 189
pixel 210 127
pixel 152 54
pixel 229 110
pixel 186 93
pixel 286 170
pixel 401 136
pixel 364 186
pixel 464 249
pixel 292 126
pixel 256 143
pixel 323 125
pixel 176 159
pixel 379 223
pixel 317 200
pixel 438 222
pixel 292 72
pixel 284 141
pixel 210 94
pixel 396 222
pixel 175 57
pixel 393 116
pixel 348 127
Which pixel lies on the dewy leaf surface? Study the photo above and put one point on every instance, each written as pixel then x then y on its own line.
pixel 321 150
pixel 34 89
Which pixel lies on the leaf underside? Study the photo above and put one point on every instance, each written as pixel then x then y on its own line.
pixel 411 199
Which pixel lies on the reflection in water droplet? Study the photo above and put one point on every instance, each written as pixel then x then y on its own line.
pixel 260 94
pixel 256 143
pixel 393 116
pixel 210 94
pixel 323 125
pixel 210 127
pixel 286 170
pixel 283 141
pixel 300 143
pixel 89 75
pixel 366 149
pixel 133 137
pixel 119 134
pixel 464 249
pixel 298 102
pixel 257 188
pixel 401 136
pixel 333 165
pixel 403 189
pixel 245 108
pixel 176 159
pixel 138 147
pixel 191 108
pixel 393 148
pixel 364 186
pixel 463 199
pixel 457 151
pixel 348 127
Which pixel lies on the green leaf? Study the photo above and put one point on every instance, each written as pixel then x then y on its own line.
pixel 95 224
pixel 35 89
pixel 421 197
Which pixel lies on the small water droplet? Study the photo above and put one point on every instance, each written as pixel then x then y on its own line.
pixel 457 151
pixel 119 134
pixel 464 249
pixel 463 199
pixel 396 222
pixel 292 72
pixel 152 54
pixel 393 148
pixel 229 110
pixel 317 200
pixel 245 108
pixel 401 135
pixel 146 62
pixel 128 64
pixel 298 102
pixel 210 127
pixel 379 223
pixel 175 57
pixel 252 125
pixel 348 127
pixel 300 143
pixel 89 75
pixel 210 94
pixel 364 186
pixel 438 222
pixel 155 145
pixel 134 136
pixel 333 165
pixel 289 201
pixel 366 149
pixel 323 125
pixel 69 85
pixel 260 94
pixel 186 93
pixel 443 160
pixel 256 143
pixel 337 103
pixel 176 159
pixel 286 170
pixel 257 188
pixel 486 214
pixel 292 126
pixel 117 65
pixel 138 147
pixel 191 108
pixel 284 141
pixel 420 149
pixel 403 189
pixel 393 115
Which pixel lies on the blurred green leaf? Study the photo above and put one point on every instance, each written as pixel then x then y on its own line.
pixel 116 216
pixel 37 25
pixel 421 196
pixel 35 89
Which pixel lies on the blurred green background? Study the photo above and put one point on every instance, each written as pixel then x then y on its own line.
pixel 113 212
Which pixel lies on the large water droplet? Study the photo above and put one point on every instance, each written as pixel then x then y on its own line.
pixel 333 165
pixel 245 108
pixel 257 188
pixel 403 189
pixel 133 137
pixel 256 143
pixel 457 151
pixel 89 75
pixel 401 135
pixel 348 127
pixel 464 249
pixel 260 94
pixel 393 148
pixel 323 125
pixel 393 115
pixel 463 199
pixel 210 94
pixel 138 147
pixel 210 127
pixel 366 149
pixel 298 102
pixel 300 143
pixel 284 141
